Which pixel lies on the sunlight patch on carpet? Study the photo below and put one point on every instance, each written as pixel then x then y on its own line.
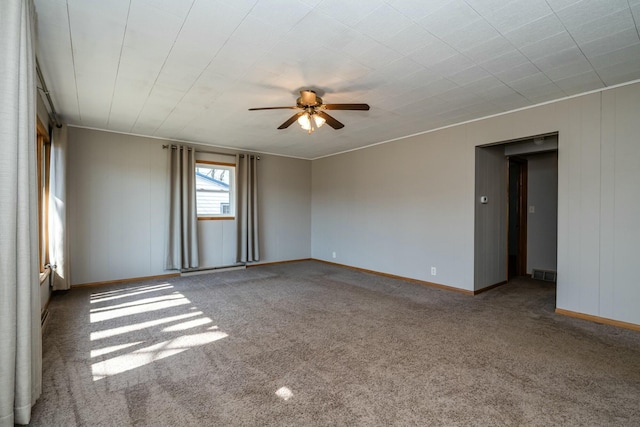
pixel 114 355
pixel 138 309
pixel 188 325
pixel 112 349
pixel 107 333
pixel 284 393
pixel 152 353
pixel 99 297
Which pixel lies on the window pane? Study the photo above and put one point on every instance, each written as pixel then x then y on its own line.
pixel 214 190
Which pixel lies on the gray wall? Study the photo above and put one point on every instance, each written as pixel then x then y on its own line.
pixel 542 196
pixel 399 208
pixel 118 202
pixel 402 207
pixel 490 218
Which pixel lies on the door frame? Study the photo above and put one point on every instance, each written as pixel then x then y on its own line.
pixel 522 208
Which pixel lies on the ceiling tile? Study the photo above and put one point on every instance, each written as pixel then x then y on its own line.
pixel 284 14
pixel 610 43
pixel 469 75
pixel 517 72
pixel 434 52
pixel 585 11
pixel 348 12
pixel 452 65
pixel 604 26
pixel 541 48
pixel 485 7
pixel 579 66
pixel 409 39
pixel 540 29
pixel 417 9
pixel 470 35
pixel 484 85
pixel 148 25
pixel 530 82
pixel 561 58
pixel 376 56
pixel 400 68
pixel 557 5
pixel 489 49
pixel 504 62
pixel 620 73
pixel 580 83
pixel 445 20
pixel 616 56
pixel 516 13
pixel 331 33
pixel 383 23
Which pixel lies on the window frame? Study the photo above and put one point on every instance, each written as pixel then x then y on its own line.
pixel 43 157
pixel 232 191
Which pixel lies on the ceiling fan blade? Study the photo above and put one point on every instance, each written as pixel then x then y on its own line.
pixel 291 120
pixel 273 108
pixel 364 107
pixel 308 97
pixel 330 120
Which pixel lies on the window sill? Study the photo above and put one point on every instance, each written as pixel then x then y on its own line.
pixel 214 218
pixel 44 275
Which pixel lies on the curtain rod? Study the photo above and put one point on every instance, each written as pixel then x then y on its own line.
pixel 46 92
pixel 207 152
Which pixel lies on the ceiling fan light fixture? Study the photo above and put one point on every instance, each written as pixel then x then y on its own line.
pixel 319 121
pixel 305 122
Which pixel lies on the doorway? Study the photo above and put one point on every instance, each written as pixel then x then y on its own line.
pixel 516 210
pixel 517 227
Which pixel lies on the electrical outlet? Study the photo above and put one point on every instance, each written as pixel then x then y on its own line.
pixel 333 255
pixel 433 271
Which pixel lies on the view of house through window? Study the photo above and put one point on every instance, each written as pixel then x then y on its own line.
pixel 215 195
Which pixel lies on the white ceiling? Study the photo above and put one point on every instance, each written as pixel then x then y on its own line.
pixel 190 69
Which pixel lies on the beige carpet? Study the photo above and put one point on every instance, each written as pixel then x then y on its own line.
pixel 313 344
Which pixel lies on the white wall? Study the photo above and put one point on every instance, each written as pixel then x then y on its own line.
pixel 118 198
pixel 402 207
pixel 542 223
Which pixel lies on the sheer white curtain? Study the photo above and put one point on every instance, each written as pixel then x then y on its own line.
pixel 20 335
pixel 247 196
pixel 182 239
pixel 58 242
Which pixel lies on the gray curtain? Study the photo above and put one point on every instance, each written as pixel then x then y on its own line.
pixel 182 241
pixel 20 335
pixel 247 190
pixel 58 241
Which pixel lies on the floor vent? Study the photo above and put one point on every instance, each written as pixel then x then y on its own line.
pixel 546 275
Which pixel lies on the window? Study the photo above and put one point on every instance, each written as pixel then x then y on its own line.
pixel 215 190
pixel 43 153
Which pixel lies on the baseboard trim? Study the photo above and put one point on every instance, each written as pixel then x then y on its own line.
pixel 131 279
pixel 488 288
pixel 209 270
pixel 289 261
pixel 393 276
pixel 598 319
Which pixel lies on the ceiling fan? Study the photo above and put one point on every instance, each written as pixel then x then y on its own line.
pixel 313 113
